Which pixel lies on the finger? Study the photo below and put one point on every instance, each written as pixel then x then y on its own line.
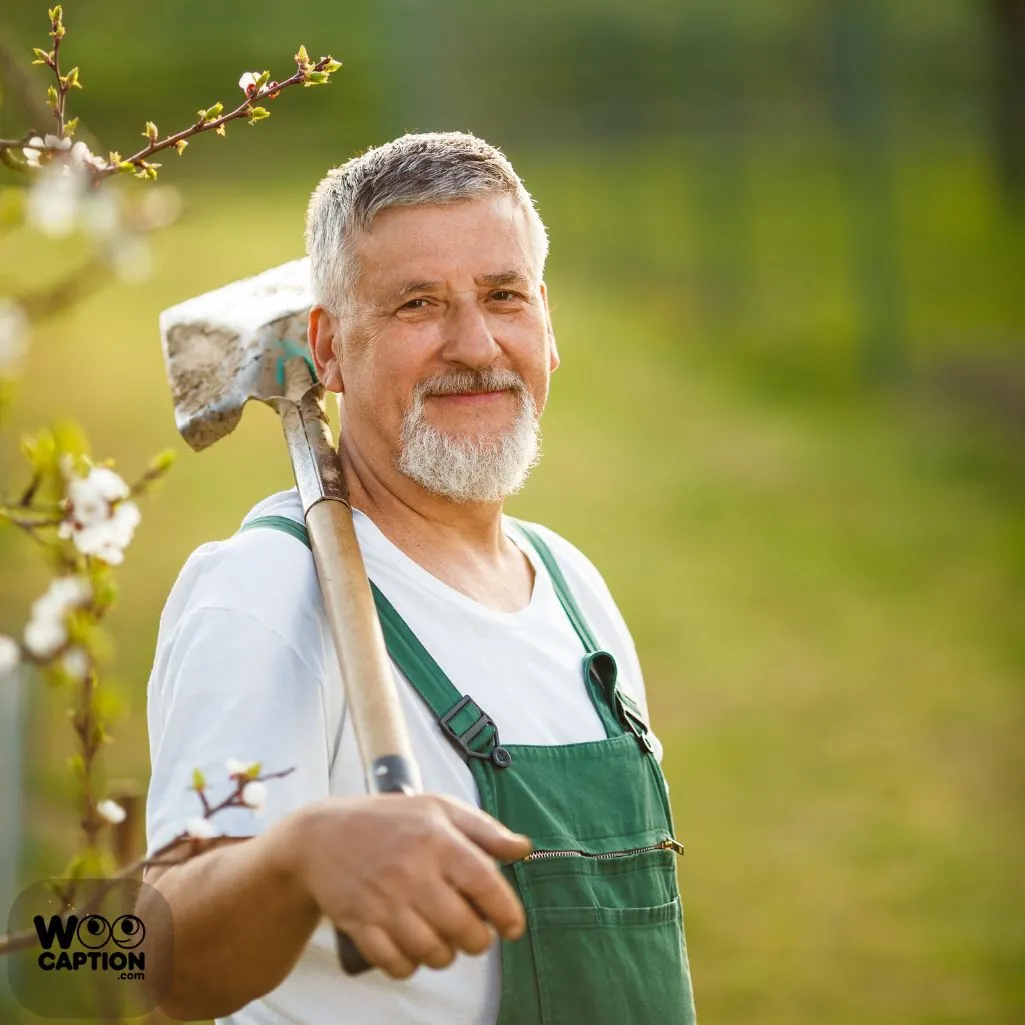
pixel 380 950
pixel 487 833
pixel 418 941
pixel 454 919
pixel 477 878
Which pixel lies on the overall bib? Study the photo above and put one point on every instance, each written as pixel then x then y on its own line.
pixel 604 942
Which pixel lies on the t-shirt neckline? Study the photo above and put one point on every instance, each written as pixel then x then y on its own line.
pixel 540 596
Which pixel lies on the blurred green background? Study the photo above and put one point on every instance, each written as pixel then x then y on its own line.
pixel 788 276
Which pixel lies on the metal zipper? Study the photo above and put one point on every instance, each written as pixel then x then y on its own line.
pixel 669 844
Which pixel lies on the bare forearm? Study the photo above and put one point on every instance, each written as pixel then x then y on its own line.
pixel 240 922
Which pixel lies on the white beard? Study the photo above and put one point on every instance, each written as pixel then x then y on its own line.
pixel 484 470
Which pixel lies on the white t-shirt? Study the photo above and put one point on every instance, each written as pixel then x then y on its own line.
pixel 245 669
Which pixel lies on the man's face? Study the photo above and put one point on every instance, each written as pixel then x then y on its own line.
pixel 445 352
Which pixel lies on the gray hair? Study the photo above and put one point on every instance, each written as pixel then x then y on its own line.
pixel 414 170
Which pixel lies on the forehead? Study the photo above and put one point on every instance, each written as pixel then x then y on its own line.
pixel 444 242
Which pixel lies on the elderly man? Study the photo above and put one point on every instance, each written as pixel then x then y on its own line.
pixel 546 845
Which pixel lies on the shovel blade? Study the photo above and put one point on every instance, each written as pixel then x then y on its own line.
pixel 228 346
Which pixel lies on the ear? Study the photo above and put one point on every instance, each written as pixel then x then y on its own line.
pixel 553 360
pixel 322 335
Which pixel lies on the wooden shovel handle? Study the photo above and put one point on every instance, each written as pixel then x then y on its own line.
pixel 370 689
pixel 352 616
pixel 373 700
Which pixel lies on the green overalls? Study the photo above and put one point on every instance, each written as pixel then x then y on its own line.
pixel 604 942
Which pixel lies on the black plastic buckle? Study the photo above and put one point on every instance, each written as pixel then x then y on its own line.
pixel 498 755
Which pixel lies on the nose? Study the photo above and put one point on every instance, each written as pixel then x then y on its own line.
pixel 468 340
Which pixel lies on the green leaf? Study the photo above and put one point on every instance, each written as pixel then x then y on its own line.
pixel 258 114
pixel 71 126
pixel 72 79
pixel 150 132
pixel 52 95
pixel 163 461
pixel 75 868
pixel 215 111
pixel 302 57
pixel 317 78
pixel 42 57
pixel 40 450
pixel 331 66
pixel 263 80
pixel 254 770
pixel 198 779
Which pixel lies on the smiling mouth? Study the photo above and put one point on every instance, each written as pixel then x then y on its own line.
pixel 472 396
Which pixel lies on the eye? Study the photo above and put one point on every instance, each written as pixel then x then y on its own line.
pixel 128 931
pixel 411 304
pixel 504 295
pixel 93 931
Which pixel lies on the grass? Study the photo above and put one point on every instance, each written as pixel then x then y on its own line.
pixel 824 581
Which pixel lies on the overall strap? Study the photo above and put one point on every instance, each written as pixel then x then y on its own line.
pixel 467 726
pixel 617 710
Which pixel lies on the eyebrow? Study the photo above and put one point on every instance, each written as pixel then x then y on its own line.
pixel 496 280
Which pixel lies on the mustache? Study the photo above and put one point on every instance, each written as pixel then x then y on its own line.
pixel 469 381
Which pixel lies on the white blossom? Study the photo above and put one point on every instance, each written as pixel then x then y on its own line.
pixel 238 768
pixel 10 654
pixel 108 540
pixel 106 483
pixel 63 594
pixel 75 662
pixel 82 157
pixel 53 201
pixel 201 829
pixel 47 632
pixel 33 151
pixel 99 518
pixel 254 795
pixel 45 637
pixel 13 333
pixel 40 151
pixel 248 83
pixel 111 811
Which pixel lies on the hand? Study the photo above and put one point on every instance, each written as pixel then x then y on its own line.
pixel 411 880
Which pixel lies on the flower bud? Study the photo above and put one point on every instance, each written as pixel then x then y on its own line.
pixel 111 811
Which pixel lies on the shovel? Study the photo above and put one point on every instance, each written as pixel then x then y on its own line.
pixel 247 341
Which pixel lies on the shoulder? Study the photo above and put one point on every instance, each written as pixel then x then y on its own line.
pixel 265 576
